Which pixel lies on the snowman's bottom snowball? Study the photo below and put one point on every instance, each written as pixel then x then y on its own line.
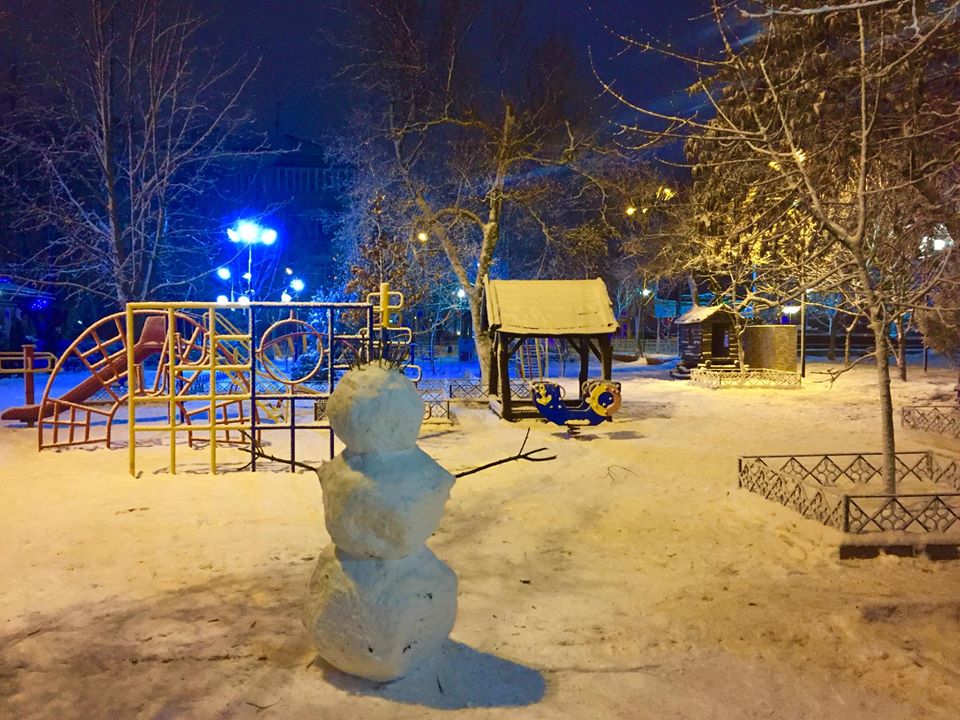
pixel 378 618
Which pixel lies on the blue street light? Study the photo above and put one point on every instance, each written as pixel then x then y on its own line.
pixel 250 233
pixel 224 273
pixel 297 285
pixel 245 231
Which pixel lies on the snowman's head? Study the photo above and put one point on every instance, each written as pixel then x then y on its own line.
pixel 375 408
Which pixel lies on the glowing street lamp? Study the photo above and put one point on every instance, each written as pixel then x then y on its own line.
pixel 224 274
pixel 665 193
pixel 297 285
pixel 250 233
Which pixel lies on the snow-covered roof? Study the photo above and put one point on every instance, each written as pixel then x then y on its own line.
pixel 700 313
pixel 549 307
pixel 11 292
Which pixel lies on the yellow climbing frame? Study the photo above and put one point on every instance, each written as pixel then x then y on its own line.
pixel 174 367
pixel 382 303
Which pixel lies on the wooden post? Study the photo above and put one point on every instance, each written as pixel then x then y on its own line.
pixel 584 365
pixel 493 382
pixel 503 360
pixel 28 388
pixel 606 357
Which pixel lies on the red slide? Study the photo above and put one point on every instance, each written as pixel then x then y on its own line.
pixel 108 371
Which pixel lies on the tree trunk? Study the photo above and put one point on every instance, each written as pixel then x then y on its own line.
pixel 834 328
pixel 481 341
pixel 740 359
pixel 888 446
pixel 694 292
pixel 901 348
pixel 846 342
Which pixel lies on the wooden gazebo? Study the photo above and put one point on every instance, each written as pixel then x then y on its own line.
pixel 577 311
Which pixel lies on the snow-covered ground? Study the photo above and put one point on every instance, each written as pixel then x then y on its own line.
pixel 628 578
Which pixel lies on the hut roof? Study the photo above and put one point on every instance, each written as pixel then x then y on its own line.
pixel 12 293
pixel 549 307
pixel 700 313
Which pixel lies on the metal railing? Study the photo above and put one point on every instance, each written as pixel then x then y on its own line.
pixel 716 378
pixel 832 489
pixel 651 346
pixel 939 419
pixel 473 389
pixel 436 399
pixel 27 362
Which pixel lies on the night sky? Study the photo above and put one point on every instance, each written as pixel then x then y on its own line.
pixel 296 66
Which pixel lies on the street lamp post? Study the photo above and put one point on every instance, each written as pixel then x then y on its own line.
pixel 224 274
pixel 642 330
pixel 250 233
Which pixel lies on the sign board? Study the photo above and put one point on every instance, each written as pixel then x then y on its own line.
pixel 664 308
pixel 685 307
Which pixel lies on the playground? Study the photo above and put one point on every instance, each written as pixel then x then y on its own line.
pixel 597 585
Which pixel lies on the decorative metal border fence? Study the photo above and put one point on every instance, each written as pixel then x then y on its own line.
pixel 464 389
pixel 467 390
pixel 436 402
pixel 716 378
pixel 651 346
pixel 832 489
pixel 436 399
pixel 939 419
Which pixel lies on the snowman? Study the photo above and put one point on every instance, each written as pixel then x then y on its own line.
pixel 379 600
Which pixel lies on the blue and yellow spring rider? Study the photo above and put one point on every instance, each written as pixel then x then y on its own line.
pixel 601 399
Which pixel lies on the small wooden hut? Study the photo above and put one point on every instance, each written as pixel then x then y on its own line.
pixel 708 337
pixel 577 311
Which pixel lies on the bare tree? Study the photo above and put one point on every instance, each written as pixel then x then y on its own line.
pixel 117 153
pixel 846 111
pixel 480 144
